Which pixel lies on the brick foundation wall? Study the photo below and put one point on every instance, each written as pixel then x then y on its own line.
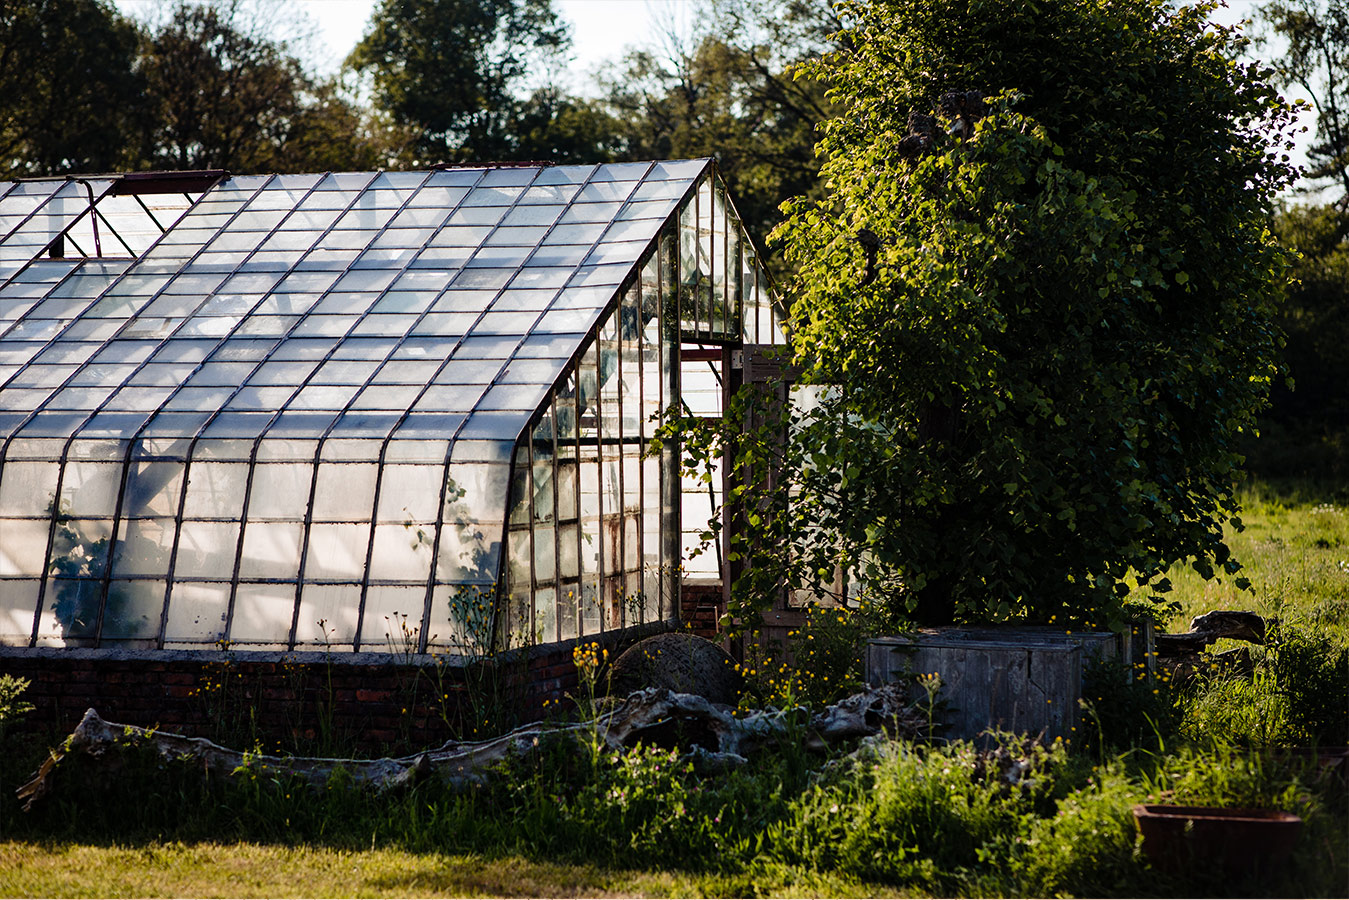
pixel 301 702
pixel 701 607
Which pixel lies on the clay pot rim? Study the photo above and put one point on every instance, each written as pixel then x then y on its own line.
pixel 1216 813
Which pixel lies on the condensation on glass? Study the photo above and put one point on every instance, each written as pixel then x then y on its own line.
pixel 360 411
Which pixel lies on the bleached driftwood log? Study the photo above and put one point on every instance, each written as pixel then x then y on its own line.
pixel 719 740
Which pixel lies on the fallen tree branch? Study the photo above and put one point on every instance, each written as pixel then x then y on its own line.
pixel 1211 627
pixel 720 741
pixel 1181 654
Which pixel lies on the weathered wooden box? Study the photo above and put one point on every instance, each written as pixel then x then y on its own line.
pixel 1021 679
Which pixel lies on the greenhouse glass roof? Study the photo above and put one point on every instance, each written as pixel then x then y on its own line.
pixel 345 362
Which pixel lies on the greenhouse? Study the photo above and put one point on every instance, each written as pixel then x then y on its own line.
pixel 359 411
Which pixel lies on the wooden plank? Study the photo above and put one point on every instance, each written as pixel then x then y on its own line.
pixel 992 679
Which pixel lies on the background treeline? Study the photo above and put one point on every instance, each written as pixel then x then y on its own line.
pixel 221 84
pixel 84 89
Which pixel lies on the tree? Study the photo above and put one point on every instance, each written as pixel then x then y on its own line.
pixel 451 69
pixel 1305 432
pixel 1038 300
pixel 1317 60
pixel 728 90
pixel 68 86
pixel 1306 429
pixel 552 125
pixel 223 94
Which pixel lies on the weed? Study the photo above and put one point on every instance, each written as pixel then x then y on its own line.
pixel 1124 706
pixel 11 707
pixel 821 661
pixel 1294 694
pixel 224 702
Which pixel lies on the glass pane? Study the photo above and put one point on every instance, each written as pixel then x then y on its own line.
pixel 470 551
pixel 545 615
pixel 216 490
pixel 475 492
pixel 461 619
pixel 280 491
pixel 133 610
pixel 328 614
pixel 262 613
pixel 402 553
pixel 271 550
pixel 90 489
pixel 18 605
pixel 27 488
pixel 79 548
pixel 197 613
pixel 23 546
pixel 392 621
pixel 410 493
pixel 337 551
pixel 72 610
pixel 206 550
pixel 143 547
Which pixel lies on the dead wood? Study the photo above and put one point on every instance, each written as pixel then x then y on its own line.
pixel 1180 654
pixel 717 740
pixel 1204 630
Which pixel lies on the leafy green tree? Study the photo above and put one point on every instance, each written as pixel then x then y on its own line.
pixel 222 93
pixel 1305 432
pixel 68 86
pixel 730 91
pixel 552 125
pixel 451 70
pixel 1317 60
pixel 1038 304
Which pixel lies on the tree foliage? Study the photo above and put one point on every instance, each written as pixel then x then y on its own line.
pixel 223 94
pixel 1317 61
pixel 729 90
pixel 68 86
pixel 1305 432
pixel 84 89
pixel 1038 300
pixel 451 69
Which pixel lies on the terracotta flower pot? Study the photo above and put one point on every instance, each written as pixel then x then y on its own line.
pixel 1206 838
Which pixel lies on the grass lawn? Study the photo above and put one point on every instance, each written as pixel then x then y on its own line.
pixel 1295 550
pixel 176 869
pixel 252 870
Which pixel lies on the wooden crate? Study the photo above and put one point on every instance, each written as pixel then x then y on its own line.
pixel 1022 679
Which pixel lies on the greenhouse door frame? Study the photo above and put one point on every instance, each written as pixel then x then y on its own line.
pixel 759 365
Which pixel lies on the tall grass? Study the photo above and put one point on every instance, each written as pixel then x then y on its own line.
pixel 931 819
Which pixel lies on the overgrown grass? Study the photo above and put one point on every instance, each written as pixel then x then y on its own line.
pixel 895 817
pixel 1295 551
pixel 891 818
